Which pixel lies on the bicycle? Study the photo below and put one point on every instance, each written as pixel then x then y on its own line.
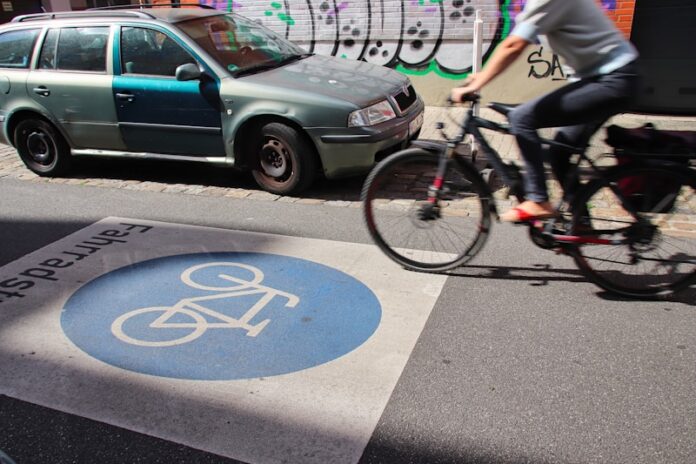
pixel 429 208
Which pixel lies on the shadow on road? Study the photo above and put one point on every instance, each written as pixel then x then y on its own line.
pixel 542 275
pixel 198 174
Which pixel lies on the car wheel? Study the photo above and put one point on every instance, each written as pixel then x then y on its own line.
pixel 285 163
pixel 42 148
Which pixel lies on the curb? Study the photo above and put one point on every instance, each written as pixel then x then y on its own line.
pixel 217 182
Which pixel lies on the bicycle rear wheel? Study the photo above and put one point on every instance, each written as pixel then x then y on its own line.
pixel 656 257
pixel 422 235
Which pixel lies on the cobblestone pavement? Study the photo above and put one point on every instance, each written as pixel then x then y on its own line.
pixel 200 179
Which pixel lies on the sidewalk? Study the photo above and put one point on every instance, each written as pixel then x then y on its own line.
pixel 506 146
pixel 209 181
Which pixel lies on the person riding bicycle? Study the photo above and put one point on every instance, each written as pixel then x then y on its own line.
pixel 604 82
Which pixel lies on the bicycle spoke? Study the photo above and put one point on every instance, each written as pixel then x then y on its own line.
pixel 413 231
pixel 657 255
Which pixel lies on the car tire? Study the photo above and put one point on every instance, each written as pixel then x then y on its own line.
pixel 285 163
pixel 42 148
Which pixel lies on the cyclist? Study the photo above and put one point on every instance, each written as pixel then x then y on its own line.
pixel 604 81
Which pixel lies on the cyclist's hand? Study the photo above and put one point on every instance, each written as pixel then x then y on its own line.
pixel 469 86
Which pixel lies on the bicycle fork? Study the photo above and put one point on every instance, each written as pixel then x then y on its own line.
pixel 431 210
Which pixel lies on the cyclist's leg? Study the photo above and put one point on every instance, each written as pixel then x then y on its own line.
pixel 577 103
pixel 559 158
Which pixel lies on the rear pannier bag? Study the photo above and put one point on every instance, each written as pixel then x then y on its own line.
pixel 656 193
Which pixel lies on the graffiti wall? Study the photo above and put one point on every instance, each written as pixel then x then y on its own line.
pixel 430 39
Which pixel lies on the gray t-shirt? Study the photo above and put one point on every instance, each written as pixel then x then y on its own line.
pixel 578 31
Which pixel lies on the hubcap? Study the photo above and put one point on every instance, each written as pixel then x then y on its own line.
pixel 275 159
pixel 39 147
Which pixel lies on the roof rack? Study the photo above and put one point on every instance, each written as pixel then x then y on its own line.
pixel 80 14
pixel 141 6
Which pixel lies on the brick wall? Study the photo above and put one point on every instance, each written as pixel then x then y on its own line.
pixel 622 14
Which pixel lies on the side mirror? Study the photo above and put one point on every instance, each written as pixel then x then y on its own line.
pixel 188 72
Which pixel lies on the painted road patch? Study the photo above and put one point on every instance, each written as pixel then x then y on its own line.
pixel 344 321
pixel 221 316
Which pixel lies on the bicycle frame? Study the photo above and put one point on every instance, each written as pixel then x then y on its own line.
pixel 473 124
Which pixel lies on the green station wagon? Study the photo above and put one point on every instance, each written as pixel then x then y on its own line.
pixel 194 84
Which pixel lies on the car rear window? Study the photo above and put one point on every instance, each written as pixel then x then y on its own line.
pixel 16 48
pixel 75 49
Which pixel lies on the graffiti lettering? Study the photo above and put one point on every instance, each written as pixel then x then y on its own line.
pixel 415 36
pixel 542 69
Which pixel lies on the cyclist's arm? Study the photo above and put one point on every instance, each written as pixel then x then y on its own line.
pixel 504 55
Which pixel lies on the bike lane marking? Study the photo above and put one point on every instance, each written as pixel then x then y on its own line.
pixel 311 396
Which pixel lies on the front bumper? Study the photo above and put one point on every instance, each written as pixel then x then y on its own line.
pixel 354 150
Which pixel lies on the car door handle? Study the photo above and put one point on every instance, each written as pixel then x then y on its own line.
pixel 43 91
pixel 125 96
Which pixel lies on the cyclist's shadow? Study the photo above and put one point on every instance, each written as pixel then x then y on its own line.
pixel 541 275
pixel 686 297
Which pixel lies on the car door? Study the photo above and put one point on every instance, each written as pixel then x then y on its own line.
pixel 72 82
pixel 16 49
pixel 156 112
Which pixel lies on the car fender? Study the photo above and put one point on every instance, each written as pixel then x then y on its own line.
pixel 235 126
pixel 28 107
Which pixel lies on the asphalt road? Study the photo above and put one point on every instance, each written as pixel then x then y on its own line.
pixel 520 361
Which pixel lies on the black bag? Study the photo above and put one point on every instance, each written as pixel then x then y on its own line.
pixel 647 143
pixel 648 139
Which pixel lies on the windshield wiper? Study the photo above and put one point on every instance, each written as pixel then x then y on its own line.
pixel 255 68
pixel 271 65
pixel 291 58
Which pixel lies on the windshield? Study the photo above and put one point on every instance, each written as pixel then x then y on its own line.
pixel 239 44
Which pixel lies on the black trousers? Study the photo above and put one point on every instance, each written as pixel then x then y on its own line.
pixel 578 110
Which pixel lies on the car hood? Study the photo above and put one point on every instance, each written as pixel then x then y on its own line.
pixel 357 82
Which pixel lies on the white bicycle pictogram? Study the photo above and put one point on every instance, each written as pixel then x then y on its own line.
pixel 194 309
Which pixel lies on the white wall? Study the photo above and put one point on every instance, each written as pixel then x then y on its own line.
pixel 414 33
pixel 429 40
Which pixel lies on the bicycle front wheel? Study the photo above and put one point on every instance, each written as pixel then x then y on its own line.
pixel 652 257
pixel 425 235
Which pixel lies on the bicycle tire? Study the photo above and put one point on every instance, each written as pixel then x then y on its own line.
pixel 394 195
pixel 199 326
pixel 238 283
pixel 656 261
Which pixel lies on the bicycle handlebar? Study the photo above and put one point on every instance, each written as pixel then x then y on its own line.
pixel 469 97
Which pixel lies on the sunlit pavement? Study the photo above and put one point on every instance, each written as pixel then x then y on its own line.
pixel 235 319
pixel 513 359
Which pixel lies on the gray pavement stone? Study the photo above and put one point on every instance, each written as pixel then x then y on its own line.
pixel 287 199
pixel 237 193
pixel 260 195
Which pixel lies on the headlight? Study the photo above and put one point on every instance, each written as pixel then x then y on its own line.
pixel 379 112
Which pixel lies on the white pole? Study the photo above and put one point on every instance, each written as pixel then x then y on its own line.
pixel 477 61
pixel 476 64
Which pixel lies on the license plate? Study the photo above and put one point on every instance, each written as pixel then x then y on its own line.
pixel 415 124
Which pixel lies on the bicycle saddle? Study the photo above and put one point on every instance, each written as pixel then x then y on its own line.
pixel 502 108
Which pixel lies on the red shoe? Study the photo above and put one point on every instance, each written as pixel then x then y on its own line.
pixel 518 214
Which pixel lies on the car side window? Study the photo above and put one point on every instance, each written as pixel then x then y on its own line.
pixel 47 57
pixel 150 52
pixel 75 49
pixel 16 48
